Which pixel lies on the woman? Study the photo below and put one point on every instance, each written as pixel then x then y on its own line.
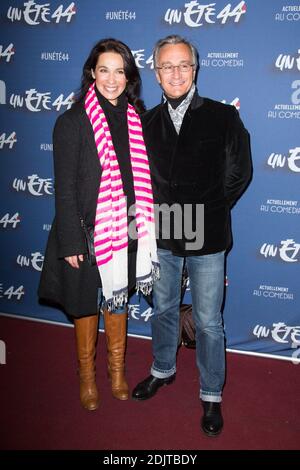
pixel 101 171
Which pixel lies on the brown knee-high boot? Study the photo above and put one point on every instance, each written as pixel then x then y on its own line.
pixel 86 331
pixel 116 334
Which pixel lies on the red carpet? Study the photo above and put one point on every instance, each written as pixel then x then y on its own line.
pixel 40 409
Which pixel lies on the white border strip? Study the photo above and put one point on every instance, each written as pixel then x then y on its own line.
pixel 51 322
pixel 294 360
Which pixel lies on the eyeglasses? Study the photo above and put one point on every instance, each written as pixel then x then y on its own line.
pixel 169 68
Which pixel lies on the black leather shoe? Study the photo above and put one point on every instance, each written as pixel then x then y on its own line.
pixel 149 387
pixel 212 420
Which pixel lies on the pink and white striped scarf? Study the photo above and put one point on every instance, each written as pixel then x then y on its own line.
pixel 111 230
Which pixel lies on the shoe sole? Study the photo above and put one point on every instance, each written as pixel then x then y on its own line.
pixel 211 434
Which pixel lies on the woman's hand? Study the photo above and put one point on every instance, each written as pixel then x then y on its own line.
pixel 73 260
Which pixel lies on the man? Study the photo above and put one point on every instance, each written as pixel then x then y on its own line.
pixel 199 158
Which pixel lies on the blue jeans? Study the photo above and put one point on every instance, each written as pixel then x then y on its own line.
pixel 206 275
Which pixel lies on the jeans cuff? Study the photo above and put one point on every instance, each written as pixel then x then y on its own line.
pixel 162 374
pixel 215 397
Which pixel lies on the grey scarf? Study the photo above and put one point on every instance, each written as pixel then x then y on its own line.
pixel 177 114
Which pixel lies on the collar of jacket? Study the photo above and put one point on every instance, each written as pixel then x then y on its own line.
pixel 196 102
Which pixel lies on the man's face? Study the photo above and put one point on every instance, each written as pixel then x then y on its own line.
pixel 175 81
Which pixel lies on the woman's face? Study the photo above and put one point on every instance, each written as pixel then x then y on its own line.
pixel 109 75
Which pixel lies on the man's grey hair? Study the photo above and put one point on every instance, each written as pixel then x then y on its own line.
pixel 174 39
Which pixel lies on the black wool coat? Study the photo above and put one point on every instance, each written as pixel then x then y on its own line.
pixel 77 176
pixel 208 163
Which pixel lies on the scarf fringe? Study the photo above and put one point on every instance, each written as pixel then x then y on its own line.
pixel 117 301
pixel 145 286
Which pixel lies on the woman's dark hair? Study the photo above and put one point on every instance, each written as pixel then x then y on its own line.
pixel 133 87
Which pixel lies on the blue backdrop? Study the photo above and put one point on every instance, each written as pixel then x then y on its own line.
pixel 249 57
